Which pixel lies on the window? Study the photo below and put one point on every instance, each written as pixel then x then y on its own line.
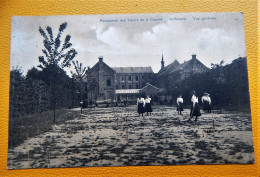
pixel 108 82
pixel 129 78
pixel 142 77
pixel 136 86
pixel 117 87
pixel 122 79
pixel 136 78
pixel 123 86
pixel 130 86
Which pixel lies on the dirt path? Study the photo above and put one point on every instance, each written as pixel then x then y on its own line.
pixel 118 137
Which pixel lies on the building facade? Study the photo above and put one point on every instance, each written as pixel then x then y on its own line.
pixel 132 77
pixel 106 83
pixel 126 83
pixel 101 82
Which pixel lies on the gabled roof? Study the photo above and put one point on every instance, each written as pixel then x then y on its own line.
pixel 183 65
pixel 97 66
pixel 133 69
pixel 169 68
pixel 147 84
pixel 176 66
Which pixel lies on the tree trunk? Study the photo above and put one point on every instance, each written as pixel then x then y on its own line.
pixel 53 94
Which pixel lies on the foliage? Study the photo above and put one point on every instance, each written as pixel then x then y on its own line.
pixel 79 76
pixel 56 57
pixel 33 93
pixel 55 54
pixel 227 85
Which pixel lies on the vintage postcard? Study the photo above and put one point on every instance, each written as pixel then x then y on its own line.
pixel 129 90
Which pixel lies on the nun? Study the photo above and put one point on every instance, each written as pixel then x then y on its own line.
pixel 148 106
pixel 195 110
pixel 140 105
pixel 179 104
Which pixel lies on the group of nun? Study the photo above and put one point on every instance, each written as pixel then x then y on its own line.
pixel 144 105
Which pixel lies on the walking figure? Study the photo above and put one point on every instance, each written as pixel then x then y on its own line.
pixel 206 100
pixel 195 110
pixel 140 105
pixel 179 104
pixel 148 106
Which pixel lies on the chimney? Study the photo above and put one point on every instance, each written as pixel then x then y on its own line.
pixel 100 59
pixel 193 56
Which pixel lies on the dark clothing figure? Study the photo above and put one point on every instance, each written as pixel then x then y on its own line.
pixel 140 106
pixel 140 109
pixel 148 105
pixel 207 107
pixel 179 105
pixel 148 108
pixel 180 108
pixel 195 110
pixel 206 100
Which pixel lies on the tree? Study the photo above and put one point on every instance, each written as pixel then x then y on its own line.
pixel 215 66
pixel 57 56
pixel 17 90
pixel 81 73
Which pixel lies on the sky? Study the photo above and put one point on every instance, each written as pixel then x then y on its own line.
pixel 131 43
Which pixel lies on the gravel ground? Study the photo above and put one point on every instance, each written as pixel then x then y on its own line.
pixel 119 137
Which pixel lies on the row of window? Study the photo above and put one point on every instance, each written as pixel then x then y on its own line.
pixel 136 78
pixel 136 86
pixel 129 78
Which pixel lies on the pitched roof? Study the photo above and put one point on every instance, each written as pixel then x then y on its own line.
pixel 147 84
pixel 133 69
pixel 174 66
pixel 97 65
pixel 169 68
pixel 181 66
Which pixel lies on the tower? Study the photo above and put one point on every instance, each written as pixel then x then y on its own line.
pixel 162 63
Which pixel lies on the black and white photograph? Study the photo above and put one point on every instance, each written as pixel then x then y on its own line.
pixel 129 90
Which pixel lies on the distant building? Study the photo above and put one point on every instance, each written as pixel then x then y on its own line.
pixel 175 71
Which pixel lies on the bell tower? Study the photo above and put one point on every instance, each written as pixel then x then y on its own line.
pixel 162 63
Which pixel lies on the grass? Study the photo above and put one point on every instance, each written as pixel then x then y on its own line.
pixel 24 127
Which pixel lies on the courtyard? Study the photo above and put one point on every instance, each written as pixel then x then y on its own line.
pixel 117 136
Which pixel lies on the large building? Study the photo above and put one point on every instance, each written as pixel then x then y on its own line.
pixel 132 77
pixel 126 83
pixel 106 83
